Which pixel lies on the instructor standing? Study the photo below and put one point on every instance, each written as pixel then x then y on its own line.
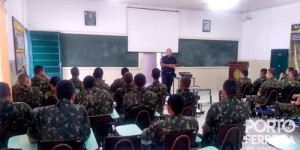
pixel 168 64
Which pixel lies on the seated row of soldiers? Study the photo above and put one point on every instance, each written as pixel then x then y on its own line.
pixel 66 120
pixel 267 80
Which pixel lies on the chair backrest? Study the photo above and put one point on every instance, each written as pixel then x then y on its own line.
pixel 287 94
pixel 124 144
pixel 61 144
pixel 231 134
pixel 272 95
pixel 142 119
pixel 246 89
pixel 161 101
pixel 189 110
pixel 256 88
pixel 101 125
pixel 112 142
pixel 142 116
pixel 180 143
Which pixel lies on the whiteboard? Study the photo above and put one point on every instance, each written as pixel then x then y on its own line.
pixel 152 30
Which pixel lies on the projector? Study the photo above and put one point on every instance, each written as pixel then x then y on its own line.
pixel 185 74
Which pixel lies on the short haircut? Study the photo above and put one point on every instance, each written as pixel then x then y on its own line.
pixel 75 72
pixel 22 78
pixel 64 89
pixel 89 81
pixel 290 68
pixel 54 80
pixel 245 72
pixel 175 101
pixel 294 73
pixel 128 77
pixel 186 81
pixel 272 71
pixel 98 73
pixel 230 87
pixel 4 90
pixel 140 79
pixel 264 71
pixel 124 70
pixel 38 69
pixel 155 73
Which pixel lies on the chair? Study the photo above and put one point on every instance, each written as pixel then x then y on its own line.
pixel 231 135
pixel 287 94
pixel 189 110
pixel 122 142
pixel 101 125
pixel 179 140
pixel 61 145
pixel 255 88
pixel 141 116
pixel 10 130
pixel 272 96
pixel 245 90
pixel 161 102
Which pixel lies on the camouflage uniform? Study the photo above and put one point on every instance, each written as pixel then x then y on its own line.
pixel 157 131
pixel 119 94
pixel 30 95
pixel 102 85
pixel 60 122
pixel 22 113
pixel 240 82
pixel 42 83
pixel 116 84
pixel 161 91
pixel 292 82
pixel 228 111
pixel 141 97
pixel 271 83
pixel 286 109
pixel 95 101
pixel 284 80
pixel 49 98
pixel 6 111
pixel 77 83
pixel 189 98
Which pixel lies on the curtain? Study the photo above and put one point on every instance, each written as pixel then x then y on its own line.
pixel 4 64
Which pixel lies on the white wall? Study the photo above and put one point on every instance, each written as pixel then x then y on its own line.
pixel 17 9
pixel 269 29
pixel 66 16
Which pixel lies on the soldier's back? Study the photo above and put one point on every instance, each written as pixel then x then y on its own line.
pixel 189 98
pixel 61 121
pixel 159 89
pixel 49 98
pixel 40 82
pixel 6 111
pixel 30 95
pixel 119 95
pixel 118 83
pixel 77 83
pixel 102 85
pixel 22 113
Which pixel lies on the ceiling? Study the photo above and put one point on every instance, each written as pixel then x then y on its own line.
pixel 242 6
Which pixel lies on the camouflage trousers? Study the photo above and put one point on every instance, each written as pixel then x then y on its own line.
pixel 252 99
pixel 286 109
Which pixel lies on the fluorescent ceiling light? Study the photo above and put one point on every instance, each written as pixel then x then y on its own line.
pixel 221 4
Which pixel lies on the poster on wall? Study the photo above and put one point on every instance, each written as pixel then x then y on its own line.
pixel 19 45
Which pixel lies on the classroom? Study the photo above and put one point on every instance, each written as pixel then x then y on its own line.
pixel 192 48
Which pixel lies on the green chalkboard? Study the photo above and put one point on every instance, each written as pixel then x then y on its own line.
pixel 83 50
pixel 195 53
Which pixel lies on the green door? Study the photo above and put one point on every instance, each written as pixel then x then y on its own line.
pixel 279 60
pixel 45 51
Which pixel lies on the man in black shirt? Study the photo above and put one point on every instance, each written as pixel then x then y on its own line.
pixel 168 64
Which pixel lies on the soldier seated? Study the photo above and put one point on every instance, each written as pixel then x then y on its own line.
pixel 158 88
pixel 189 98
pixel 292 80
pixel 95 100
pixel 98 74
pixel 75 80
pixel 154 136
pixel 241 81
pixel 228 111
pixel 23 92
pixel 62 121
pixel 118 83
pixel 40 79
pixel 259 81
pixel 49 97
pixel 120 92
pixel 286 109
pixel 139 96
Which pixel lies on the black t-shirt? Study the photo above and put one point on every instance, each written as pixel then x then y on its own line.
pixel 168 60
